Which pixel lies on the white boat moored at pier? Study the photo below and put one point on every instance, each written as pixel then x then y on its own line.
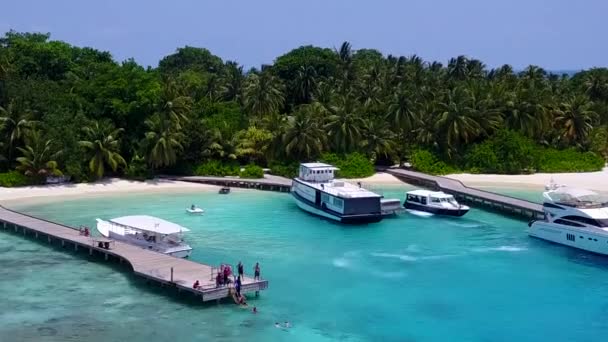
pixel 148 232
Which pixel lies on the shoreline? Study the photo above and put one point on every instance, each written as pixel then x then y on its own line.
pixel 31 195
pixel 596 181
pixel 40 194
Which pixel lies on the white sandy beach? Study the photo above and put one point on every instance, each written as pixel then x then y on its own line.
pixel 45 193
pixel 589 180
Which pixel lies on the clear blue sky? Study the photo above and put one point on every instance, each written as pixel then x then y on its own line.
pixel 555 34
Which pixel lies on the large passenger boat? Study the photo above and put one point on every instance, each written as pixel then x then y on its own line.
pixel 573 217
pixel 147 232
pixel 317 192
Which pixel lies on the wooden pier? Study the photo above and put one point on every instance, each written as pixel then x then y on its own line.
pixel 269 182
pixel 474 197
pixel 156 267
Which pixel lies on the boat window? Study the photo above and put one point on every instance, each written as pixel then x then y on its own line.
pixel 435 200
pixel 568 223
pixel 587 220
pixel 413 198
pixel 338 202
pixel 423 200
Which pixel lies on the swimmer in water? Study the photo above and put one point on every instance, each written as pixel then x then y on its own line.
pixel 277 325
pixel 287 325
pixel 255 310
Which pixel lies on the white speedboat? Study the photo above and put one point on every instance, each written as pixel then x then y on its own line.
pixel 147 232
pixel 573 217
pixel 195 210
pixel 434 202
pixel 316 192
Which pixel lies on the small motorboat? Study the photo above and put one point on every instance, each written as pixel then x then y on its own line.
pixel 225 190
pixel 434 202
pixel 195 210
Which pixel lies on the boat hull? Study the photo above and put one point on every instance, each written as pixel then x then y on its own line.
pixel 197 211
pixel 569 236
pixel 437 211
pixel 321 212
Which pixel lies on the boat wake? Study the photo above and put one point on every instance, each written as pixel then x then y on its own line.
pixel 341 263
pixel 406 257
pixel 419 213
pixel 499 249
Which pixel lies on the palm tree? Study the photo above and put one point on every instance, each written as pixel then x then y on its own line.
pixel 174 106
pixel 402 110
pixel 304 137
pixel 253 143
pixel 344 124
pixel 264 94
pixel 233 82
pixel 574 118
pixel 15 122
pixel 456 122
pixel 458 68
pixel 163 141
pixel 306 83
pixel 596 85
pixel 378 139
pixel 103 144
pixel 346 72
pixel 38 156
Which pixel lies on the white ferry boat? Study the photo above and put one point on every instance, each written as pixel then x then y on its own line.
pixel 573 217
pixel 147 232
pixel 434 202
pixel 316 192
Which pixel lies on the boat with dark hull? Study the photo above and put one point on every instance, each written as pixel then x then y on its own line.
pixel 434 202
pixel 315 191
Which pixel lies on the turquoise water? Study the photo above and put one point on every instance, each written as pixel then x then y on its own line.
pixel 477 278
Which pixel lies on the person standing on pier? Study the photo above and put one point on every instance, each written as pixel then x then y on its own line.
pixel 240 269
pixel 256 271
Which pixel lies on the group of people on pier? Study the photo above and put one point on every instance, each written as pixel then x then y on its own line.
pixel 83 230
pixel 222 278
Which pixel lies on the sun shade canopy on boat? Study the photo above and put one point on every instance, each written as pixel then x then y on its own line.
pixel 149 224
pixel 576 197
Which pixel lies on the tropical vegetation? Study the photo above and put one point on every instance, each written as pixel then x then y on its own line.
pixel 77 111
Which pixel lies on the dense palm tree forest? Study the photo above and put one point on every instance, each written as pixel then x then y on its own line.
pixel 76 111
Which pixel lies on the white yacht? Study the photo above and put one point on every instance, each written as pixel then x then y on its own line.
pixel 573 217
pixel 316 192
pixel 434 202
pixel 147 232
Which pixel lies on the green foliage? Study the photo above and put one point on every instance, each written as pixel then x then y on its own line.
pixel 287 170
pixel 352 165
pixel 570 160
pixel 138 169
pixel 599 141
pixel 217 168
pixel 311 101
pixel 14 178
pixel 252 171
pixel 427 162
pixel 510 153
pixel 507 152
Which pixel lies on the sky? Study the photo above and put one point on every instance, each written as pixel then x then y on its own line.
pixel 554 34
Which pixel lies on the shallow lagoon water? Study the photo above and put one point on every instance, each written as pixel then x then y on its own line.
pixel 476 278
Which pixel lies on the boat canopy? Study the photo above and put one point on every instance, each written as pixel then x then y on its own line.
pixel 149 224
pixel 575 197
pixel 426 193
